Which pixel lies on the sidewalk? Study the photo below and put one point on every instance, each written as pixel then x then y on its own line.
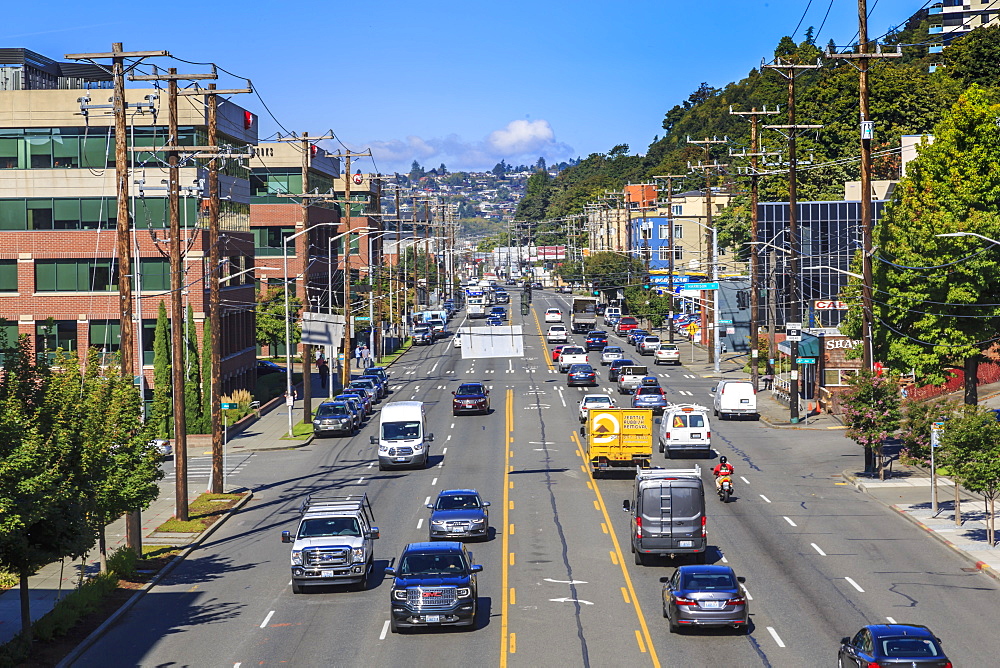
pixel 772 412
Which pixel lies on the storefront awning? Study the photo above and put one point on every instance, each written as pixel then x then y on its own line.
pixel 808 346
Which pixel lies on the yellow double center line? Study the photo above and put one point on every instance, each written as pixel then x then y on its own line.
pixel 545 346
pixel 507 642
pixel 621 557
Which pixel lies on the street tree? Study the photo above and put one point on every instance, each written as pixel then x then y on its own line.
pixel 935 306
pixel 192 376
pixel 871 409
pixel 970 447
pixel 162 409
pixel 271 317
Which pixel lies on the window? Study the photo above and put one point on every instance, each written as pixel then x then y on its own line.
pixel 76 276
pixel 8 275
pixel 355 247
pixel 678 254
pixel 675 209
pixel 678 231
pixel 105 335
pixel 663 231
pixel 154 274
pixel 52 335
pixel 663 254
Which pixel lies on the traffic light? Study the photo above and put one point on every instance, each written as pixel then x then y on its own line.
pixel 597 293
pixel 646 282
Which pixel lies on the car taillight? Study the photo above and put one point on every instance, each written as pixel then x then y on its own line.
pixel 704 528
pixel 872 664
pixel 638 526
pixel 684 601
pixel 668 435
pixel 736 601
pixel 708 435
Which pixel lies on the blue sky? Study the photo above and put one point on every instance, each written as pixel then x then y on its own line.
pixel 463 83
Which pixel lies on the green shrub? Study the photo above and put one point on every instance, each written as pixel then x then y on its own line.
pixel 122 562
pixel 68 612
pixel 7 580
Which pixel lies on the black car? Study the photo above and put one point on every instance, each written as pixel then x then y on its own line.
pixel 434 584
pixel 333 417
pixel 471 398
pixel 596 340
pixel 581 374
pixel 265 367
pixel 893 645
pixel 615 366
pixel 459 513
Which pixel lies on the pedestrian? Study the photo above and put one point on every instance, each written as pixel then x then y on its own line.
pixel 357 356
pixel 768 379
pixel 324 372
pixel 366 356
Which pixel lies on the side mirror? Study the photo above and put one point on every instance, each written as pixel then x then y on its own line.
pixel 286 536
pixel 486 504
pixel 452 394
pixel 845 641
pixel 430 437
pixel 476 568
pixel 740 579
pixel 656 420
pixel 431 506
pixel 390 571
pixel 626 506
pixel 712 390
pixel 374 533
pixel 374 440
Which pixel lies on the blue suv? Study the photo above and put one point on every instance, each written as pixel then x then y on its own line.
pixel 434 584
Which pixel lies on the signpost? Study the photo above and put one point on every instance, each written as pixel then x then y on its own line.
pixel 793 331
pixel 725 321
pixel 936 429
pixel 805 360
pixel 700 286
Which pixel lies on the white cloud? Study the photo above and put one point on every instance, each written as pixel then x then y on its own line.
pixel 520 141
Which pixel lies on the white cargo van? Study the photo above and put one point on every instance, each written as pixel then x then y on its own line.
pixel 402 437
pixel 735 398
pixel 685 430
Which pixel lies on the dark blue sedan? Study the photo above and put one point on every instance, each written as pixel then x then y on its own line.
pixel 459 513
pixel 581 374
pixel 596 340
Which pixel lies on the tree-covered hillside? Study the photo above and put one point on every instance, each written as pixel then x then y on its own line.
pixel 906 98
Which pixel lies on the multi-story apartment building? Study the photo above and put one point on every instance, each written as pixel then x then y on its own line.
pixel 58 213
pixel 950 19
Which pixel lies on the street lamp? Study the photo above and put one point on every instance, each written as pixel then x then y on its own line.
pixel 968 234
pixel 715 293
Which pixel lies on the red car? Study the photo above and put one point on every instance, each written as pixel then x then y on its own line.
pixel 555 353
pixel 626 324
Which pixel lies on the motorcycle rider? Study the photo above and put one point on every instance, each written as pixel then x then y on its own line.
pixel 721 470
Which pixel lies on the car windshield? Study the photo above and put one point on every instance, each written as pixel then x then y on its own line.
pixel 421 330
pixel 618 364
pixel 685 420
pixel 579 368
pixel 398 431
pixel 613 349
pixel 597 401
pixel 457 502
pixel 667 346
pixel 570 350
pixel 648 390
pixel 329 526
pixel 909 647
pixel 331 410
pixel 707 581
pixel 432 564
pixel 651 340
pixel 469 388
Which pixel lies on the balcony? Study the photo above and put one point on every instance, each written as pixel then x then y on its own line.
pixel 934 10
pixel 935 49
pixel 268 251
pixel 935 30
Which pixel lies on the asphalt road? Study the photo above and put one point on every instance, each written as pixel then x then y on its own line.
pixel 820 559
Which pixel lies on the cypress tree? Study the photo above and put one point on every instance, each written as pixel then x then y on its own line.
pixel 162 412
pixel 192 375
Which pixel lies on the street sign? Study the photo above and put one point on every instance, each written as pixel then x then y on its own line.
pixel 361 318
pixel 692 328
pixel 805 360
pixel 936 429
pixel 793 331
pixel 227 407
pixel 730 330
pixel 725 322
pixel 700 286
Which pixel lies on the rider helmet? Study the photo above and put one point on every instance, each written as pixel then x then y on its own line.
pixel 722 459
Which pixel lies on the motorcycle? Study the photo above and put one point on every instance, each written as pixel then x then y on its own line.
pixel 725 488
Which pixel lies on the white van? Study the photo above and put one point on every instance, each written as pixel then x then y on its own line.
pixel 402 437
pixel 685 430
pixel 735 398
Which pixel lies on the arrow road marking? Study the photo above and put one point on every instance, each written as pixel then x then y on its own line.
pixel 566 582
pixel 570 600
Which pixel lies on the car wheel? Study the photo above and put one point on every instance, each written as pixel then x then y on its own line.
pixel 296 587
pixel 674 628
pixel 662 449
pixel 380 467
pixel 640 560
pixel 665 615
pixel 393 626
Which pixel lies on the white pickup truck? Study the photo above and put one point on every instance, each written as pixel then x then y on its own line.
pixel 571 355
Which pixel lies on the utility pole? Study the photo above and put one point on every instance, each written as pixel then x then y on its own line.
pixel 790 72
pixel 864 58
pixel 710 244
pixel 126 346
pixel 670 244
pixel 754 156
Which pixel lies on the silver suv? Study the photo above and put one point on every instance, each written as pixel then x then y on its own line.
pixel 648 345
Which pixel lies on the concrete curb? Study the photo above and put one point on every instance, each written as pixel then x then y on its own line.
pixel 777 425
pixel 290 446
pixel 981 566
pixel 97 633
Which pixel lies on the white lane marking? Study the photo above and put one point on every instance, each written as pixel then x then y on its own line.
pixel 452 426
pixel 444 451
pixel 237 664
pixel 441 464
pixel 416 389
pixel 440 387
pixel 449 437
pixel 855 585
pixel 412 397
pixel 434 482
pixel 371 464
pixel 774 634
pixel 566 582
pixel 765 498
pixel 427 500
pixel 744 480
pixel 360 480
pixel 890 620
pixel 745 591
pixel 385 629
pixel 267 619
pixel 685 393
pixel 434 368
pixel 420 522
pixel 789 520
pixel 562 399
pixel 724 560
pixel 510 365
pixel 817 548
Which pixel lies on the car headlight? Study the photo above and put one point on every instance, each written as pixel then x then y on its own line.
pixel 358 553
pixel 383 449
pixel 480 521
pixel 399 594
pixel 437 523
pixel 316 422
pixel 296 557
pixel 464 592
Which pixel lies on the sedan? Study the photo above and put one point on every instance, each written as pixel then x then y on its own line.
pixel 893 645
pixel 369 385
pixel 265 367
pixel 471 398
pixel 596 340
pixel 363 397
pixel 556 352
pixel 494 321
pixel 499 312
pixel 615 366
pixel 553 315
pixel 595 401
pixel 557 333
pixel 635 336
pixel 459 513
pixel 704 596
pixel 625 324
pixel 581 374
pixel 667 353
pixel 649 397
pixel 610 354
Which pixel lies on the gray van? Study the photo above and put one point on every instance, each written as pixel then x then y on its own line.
pixel 668 513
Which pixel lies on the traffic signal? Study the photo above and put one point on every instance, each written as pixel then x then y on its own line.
pixel 597 293
pixel 646 282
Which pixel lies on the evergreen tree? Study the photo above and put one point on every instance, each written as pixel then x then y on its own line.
pixel 162 410
pixel 192 376
pixel 206 377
